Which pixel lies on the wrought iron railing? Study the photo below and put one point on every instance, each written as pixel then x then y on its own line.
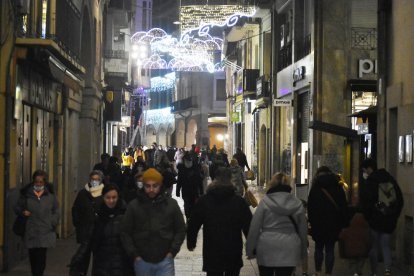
pixel 303 47
pixel 364 38
pixel 285 57
pixel 184 104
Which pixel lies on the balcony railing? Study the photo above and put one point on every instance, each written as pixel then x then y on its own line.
pixel 285 57
pixel 120 54
pixel 182 105
pixel 364 38
pixel 303 47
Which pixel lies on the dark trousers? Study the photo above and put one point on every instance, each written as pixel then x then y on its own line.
pixel 275 271
pixel 329 255
pixel 37 258
pixel 80 261
pixel 189 203
pixel 233 272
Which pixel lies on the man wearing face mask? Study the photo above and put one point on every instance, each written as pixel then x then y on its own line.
pixel 381 203
pixel 84 210
pixel 189 183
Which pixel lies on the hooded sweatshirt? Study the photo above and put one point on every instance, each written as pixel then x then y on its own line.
pixel 277 234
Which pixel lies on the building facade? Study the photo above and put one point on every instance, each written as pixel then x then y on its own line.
pixel 50 94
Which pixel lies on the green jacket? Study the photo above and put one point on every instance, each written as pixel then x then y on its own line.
pixel 152 228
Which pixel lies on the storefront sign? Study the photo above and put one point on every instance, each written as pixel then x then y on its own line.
pixel 235 117
pixel 367 66
pixel 299 74
pixel 279 102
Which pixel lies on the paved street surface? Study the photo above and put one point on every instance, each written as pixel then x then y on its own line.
pixel 186 263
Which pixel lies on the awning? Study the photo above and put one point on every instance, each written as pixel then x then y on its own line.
pixel 333 129
pixel 363 85
pixel 370 111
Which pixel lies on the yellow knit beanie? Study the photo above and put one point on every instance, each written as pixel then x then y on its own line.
pixel 152 175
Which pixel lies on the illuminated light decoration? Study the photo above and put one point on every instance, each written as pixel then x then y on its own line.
pixel 160 84
pixel 193 17
pixel 157 117
pixel 194 51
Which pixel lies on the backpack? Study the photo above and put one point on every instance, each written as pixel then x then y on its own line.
pixel 387 198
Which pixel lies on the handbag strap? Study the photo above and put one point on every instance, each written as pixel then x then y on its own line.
pixel 328 195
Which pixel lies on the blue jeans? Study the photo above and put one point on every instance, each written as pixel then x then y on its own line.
pixel 163 268
pixel 380 240
pixel 329 256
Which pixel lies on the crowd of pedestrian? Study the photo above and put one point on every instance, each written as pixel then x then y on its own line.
pixel 127 222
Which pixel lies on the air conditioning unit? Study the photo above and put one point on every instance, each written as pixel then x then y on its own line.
pixel 23 6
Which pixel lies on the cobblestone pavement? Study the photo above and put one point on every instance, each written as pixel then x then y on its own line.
pixel 186 263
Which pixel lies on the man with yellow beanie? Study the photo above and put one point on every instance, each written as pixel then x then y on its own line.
pixel 153 228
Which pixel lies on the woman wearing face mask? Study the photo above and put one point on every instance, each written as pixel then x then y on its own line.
pixel 38 203
pixel 84 208
pixel 134 186
pixel 109 257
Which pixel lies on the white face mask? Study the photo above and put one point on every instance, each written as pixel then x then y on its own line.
pixel 95 183
pixel 365 175
pixel 140 185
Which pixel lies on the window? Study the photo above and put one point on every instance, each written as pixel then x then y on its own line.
pixel 220 90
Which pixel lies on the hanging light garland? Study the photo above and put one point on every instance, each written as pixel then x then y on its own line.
pixel 157 117
pixel 196 50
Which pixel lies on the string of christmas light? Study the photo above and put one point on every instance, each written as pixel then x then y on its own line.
pixel 158 117
pixel 196 50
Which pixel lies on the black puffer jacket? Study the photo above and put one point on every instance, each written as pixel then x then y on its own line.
pixel 325 218
pixel 189 181
pixel 109 257
pixel 369 198
pixel 83 213
pixel 224 217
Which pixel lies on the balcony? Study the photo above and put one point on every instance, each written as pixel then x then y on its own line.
pixel 117 54
pixel 185 104
pixel 303 47
pixel 285 57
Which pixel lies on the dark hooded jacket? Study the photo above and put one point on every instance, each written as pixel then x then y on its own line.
pixel 224 217
pixel 326 218
pixel 369 198
pixel 109 256
pixel 152 228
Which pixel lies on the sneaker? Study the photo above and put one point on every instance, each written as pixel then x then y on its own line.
pixel 387 272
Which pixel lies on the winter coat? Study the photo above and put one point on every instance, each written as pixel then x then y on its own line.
pixel 326 219
pixel 41 224
pixel 273 237
pixel 369 198
pixel 189 181
pixel 355 239
pixel 85 206
pixel 238 179
pixel 109 256
pixel 151 228
pixel 224 217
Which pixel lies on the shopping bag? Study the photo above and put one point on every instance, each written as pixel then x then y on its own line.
pixel 250 199
pixel 19 225
pixel 250 175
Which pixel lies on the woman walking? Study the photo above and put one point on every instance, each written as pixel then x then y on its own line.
pixel 327 212
pixel 277 235
pixel 40 206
